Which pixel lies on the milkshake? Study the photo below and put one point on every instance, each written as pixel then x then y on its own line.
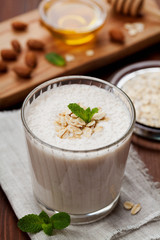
pixel 77 167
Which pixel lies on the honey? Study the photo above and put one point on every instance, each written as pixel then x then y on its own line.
pixel 74 21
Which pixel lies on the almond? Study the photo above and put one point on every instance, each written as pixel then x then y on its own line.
pixel 19 26
pixel 16 45
pixel 8 54
pixel 31 59
pixel 3 67
pixel 116 35
pixel 35 44
pixel 22 71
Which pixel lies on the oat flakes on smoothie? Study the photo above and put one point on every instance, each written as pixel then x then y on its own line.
pixel 73 125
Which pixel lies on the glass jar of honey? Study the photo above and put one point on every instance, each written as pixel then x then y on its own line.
pixel 73 21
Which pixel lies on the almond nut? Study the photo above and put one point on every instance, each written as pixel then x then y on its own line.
pixel 22 71
pixel 8 55
pixel 16 45
pixel 31 59
pixel 3 67
pixel 116 35
pixel 35 44
pixel 19 26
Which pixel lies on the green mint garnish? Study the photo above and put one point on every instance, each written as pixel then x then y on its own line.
pixel 45 218
pixel 55 59
pixel 85 115
pixel 33 223
pixel 48 229
pixel 60 220
pixel 30 223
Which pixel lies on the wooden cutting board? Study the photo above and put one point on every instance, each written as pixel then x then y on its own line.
pixel 14 89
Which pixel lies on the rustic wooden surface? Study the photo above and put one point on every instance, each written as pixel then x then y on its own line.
pixel 149 151
pixel 13 89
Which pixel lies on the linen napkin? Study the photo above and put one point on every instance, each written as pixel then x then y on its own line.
pixel 120 224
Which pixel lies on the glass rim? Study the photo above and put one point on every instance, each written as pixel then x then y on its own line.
pixel 45 20
pixel 73 77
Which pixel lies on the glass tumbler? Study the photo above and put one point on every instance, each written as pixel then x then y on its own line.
pixel 86 183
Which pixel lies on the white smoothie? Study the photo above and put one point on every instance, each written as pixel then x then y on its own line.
pixel 77 179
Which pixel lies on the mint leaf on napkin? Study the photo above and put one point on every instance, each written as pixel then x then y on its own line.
pixel 48 229
pixel 55 59
pixel 30 223
pixel 33 223
pixel 85 115
pixel 45 218
pixel 60 220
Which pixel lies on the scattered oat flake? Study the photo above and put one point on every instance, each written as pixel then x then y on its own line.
pixel 132 32
pixel 98 128
pixel 62 132
pixel 69 57
pixel 139 27
pixel 135 209
pixel 99 116
pixel 134 28
pixel 127 26
pixel 90 53
pixel 80 122
pixel 73 115
pixel 87 131
pixel 90 124
pixel 128 205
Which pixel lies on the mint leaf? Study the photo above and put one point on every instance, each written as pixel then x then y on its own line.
pixel 48 228
pixel 55 59
pixel 45 218
pixel 94 110
pixel 78 111
pixel 85 115
pixel 35 223
pixel 60 220
pixel 30 223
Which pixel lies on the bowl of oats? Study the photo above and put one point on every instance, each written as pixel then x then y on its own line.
pixel 141 82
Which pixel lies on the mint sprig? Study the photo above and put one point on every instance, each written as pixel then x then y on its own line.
pixel 33 223
pixel 85 115
pixel 47 228
pixel 60 220
pixel 30 223
pixel 55 59
pixel 44 217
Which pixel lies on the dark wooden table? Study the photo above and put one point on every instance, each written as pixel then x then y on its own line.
pixel 149 151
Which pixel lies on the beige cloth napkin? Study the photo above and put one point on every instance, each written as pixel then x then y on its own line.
pixel 120 224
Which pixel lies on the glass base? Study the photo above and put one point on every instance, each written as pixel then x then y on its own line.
pixel 77 219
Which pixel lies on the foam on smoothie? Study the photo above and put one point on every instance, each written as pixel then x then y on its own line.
pixel 45 109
